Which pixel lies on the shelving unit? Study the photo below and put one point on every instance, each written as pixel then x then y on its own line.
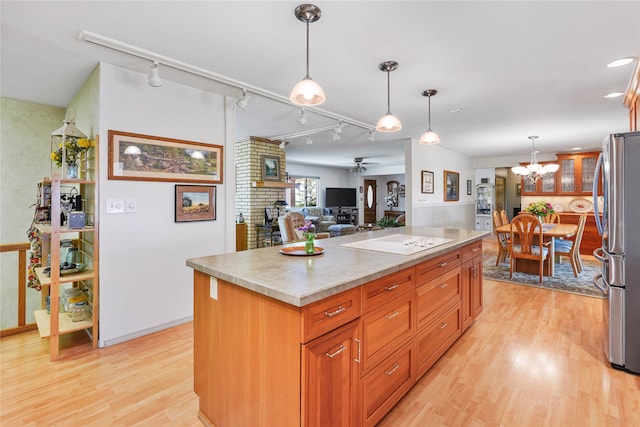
pixel 53 326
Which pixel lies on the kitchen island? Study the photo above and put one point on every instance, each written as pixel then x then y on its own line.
pixel 331 339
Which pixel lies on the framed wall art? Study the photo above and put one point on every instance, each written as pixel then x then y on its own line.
pixel 427 182
pixel 195 203
pixel 138 157
pixel 451 186
pixel 270 168
pixel 469 189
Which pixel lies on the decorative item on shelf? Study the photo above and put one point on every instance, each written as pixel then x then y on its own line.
pixel 67 145
pixel 540 209
pixel 391 199
pixel 309 244
pixel 534 171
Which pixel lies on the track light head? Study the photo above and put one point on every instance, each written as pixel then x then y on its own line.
pixel 302 118
pixel 308 140
pixel 282 145
pixel 154 79
pixel 243 101
pixel 372 135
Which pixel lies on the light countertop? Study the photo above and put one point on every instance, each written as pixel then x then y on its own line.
pixel 301 280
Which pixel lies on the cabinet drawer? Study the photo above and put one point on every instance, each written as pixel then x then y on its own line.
pixel 437 266
pixel 323 316
pixel 437 337
pixel 386 385
pixel 385 329
pixel 435 293
pixel 471 250
pixel 381 291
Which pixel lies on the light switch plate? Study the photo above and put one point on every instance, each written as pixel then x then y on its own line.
pixel 131 206
pixel 115 205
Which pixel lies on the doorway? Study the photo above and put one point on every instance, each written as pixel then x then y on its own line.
pixel 370 201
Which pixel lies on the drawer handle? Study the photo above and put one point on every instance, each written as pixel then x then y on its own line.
pixel 392 287
pixel 443 263
pixel 475 249
pixel 338 311
pixel 338 351
pixel 443 285
pixel 393 369
pixel 392 315
pixel 357 360
pixel 443 325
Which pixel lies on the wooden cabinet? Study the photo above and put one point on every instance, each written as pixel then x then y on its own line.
pixel 241 236
pixel 331 378
pixel 55 281
pixel 545 186
pixel 576 173
pixel 471 283
pixel 345 360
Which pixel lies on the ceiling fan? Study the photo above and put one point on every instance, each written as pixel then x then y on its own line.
pixel 359 168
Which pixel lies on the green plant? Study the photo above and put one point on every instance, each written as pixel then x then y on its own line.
pixel 387 222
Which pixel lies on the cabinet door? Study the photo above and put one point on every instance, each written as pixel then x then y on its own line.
pixel 471 290
pixel 331 378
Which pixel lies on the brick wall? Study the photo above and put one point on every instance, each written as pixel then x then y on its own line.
pixel 251 200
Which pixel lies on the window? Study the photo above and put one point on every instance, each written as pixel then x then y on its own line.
pixel 305 192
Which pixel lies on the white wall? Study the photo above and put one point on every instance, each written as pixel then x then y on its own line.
pixel 329 177
pixel 430 209
pixel 144 283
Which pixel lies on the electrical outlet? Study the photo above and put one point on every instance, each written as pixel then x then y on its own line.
pixel 115 206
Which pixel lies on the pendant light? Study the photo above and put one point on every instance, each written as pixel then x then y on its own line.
pixel 429 137
pixel 388 122
pixel 307 92
pixel 534 170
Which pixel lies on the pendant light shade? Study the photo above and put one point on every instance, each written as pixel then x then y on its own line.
pixel 429 137
pixel 307 92
pixel 388 122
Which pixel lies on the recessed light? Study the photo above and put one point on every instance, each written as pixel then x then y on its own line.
pixel 620 62
pixel 613 95
pixel 576 148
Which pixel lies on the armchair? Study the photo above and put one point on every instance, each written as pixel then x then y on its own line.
pixel 320 217
pixel 289 225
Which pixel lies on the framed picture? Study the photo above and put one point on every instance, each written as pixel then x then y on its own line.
pixel 140 157
pixel 451 186
pixel 270 168
pixel 427 182
pixel 469 190
pixel 518 189
pixel 401 192
pixel 195 203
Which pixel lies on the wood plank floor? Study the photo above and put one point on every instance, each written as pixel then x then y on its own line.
pixel 533 358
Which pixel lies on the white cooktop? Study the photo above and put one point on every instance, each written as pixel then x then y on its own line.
pixel 399 244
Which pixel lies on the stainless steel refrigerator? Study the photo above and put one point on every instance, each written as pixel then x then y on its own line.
pixel 618 171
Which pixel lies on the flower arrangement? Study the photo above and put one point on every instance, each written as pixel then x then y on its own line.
pixel 73 148
pixel 540 209
pixel 306 231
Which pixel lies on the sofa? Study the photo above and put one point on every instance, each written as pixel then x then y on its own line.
pixel 320 217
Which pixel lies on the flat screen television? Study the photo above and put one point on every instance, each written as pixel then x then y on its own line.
pixel 340 198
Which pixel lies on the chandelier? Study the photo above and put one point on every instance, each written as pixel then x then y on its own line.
pixel 534 171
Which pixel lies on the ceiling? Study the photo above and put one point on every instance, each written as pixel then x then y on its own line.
pixel 503 70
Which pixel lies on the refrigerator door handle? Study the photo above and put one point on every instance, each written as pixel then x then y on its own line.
pixel 596 208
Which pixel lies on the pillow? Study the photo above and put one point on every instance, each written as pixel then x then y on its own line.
pixel 327 217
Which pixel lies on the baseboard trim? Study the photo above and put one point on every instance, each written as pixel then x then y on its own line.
pixel 138 334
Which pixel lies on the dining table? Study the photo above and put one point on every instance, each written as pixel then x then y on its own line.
pixel 550 232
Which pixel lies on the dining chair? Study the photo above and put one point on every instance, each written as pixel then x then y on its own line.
pixel 504 217
pixel 526 242
pixel 503 239
pixel 553 218
pixel 571 249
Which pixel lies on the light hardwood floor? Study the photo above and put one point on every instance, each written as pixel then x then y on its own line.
pixel 533 358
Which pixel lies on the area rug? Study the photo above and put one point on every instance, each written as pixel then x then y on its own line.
pixel 563 280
